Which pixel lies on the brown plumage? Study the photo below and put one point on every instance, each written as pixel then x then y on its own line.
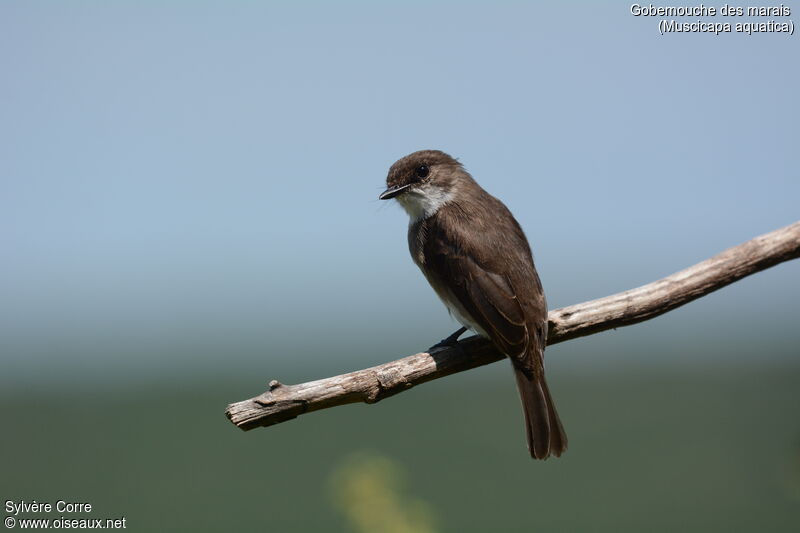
pixel 476 257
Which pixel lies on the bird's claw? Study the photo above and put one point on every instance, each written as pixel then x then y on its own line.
pixel 448 342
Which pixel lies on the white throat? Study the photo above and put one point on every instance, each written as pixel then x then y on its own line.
pixel 424 202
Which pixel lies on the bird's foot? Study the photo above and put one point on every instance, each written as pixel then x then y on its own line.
pixel 452 340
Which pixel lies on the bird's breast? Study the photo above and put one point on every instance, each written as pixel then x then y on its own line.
pixel 418 234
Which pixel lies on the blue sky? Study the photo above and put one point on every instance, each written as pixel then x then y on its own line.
pixel 203 176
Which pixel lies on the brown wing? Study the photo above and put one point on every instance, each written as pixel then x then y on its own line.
pixel 497 285
pixel 488 268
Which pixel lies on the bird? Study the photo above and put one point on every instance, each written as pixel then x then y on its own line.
pixel 475 256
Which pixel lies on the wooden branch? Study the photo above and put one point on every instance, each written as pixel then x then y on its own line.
pixel 284 402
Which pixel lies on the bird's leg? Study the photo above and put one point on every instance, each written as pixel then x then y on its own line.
pixel 452 340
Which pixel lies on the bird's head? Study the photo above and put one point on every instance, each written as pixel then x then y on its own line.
pixel 424 181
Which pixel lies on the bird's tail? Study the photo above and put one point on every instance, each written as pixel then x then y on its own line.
pixel 543 428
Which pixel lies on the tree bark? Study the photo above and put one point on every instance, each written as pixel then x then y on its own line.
pixel 284 402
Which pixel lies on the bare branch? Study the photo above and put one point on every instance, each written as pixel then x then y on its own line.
pixel 284 402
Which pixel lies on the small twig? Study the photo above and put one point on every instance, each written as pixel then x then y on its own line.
pixel 284 402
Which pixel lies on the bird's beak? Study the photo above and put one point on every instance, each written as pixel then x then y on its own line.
pixel 391 192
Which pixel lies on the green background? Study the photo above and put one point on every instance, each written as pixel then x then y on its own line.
pixel 715 448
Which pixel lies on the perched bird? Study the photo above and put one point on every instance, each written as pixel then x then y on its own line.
pixel 474 254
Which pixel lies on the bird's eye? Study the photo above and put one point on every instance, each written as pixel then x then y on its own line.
pixel 422 171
